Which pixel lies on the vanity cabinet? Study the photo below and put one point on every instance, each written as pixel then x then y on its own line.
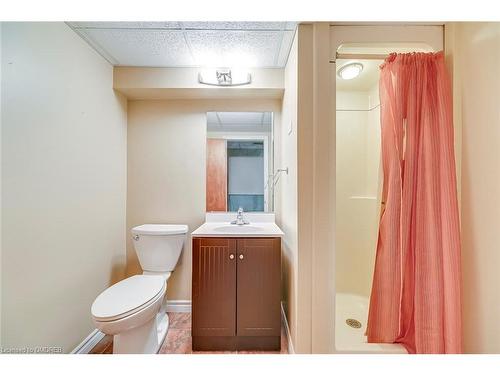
pixel 236 293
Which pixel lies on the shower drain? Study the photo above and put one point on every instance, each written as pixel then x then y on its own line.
pixel 353 323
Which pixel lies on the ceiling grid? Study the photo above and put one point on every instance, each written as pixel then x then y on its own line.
pixel 190 44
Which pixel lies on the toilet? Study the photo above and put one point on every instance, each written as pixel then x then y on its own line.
pixel 134 310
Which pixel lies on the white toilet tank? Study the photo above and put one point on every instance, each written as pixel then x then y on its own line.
pixel 158 246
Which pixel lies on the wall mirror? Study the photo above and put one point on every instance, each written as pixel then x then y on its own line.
pixel 239 161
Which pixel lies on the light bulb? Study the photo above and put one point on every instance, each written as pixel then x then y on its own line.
pixel 350 71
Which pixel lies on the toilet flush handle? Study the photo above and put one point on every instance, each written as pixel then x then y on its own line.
pixel 136 237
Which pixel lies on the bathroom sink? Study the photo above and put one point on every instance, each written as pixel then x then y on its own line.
pixel 238 229
pixel 218 225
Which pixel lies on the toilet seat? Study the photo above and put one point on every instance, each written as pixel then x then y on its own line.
pixel 160 229
pixel 128 297
pixel 122 325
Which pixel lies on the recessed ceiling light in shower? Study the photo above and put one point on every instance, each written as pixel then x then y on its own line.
pixel 350 71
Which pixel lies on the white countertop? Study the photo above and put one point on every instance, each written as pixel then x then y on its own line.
pixel 219 225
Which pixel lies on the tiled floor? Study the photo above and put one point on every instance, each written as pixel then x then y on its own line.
pixel 178 340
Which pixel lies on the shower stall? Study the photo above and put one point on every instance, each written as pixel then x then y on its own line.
pixel 358 175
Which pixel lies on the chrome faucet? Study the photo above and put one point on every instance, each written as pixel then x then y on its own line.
pixel 239 218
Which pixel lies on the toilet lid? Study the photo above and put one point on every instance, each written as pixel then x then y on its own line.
pixel 127 295
pixel 160 229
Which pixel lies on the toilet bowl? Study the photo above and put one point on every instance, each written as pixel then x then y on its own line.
pixel 127 310
pixel 134 309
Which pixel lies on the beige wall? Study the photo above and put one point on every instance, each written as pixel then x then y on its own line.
pixel 315 186
pixel 306 210
pixel 166 169
pixel 286 191
pixel 323 223
pixel 142 83
pixel 475 54
pixel 305 186
pixel 63 184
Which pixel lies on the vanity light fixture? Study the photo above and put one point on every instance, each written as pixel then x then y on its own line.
pixel 224 77
pixel 350 71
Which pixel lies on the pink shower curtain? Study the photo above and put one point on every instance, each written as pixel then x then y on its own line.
pixel 415 298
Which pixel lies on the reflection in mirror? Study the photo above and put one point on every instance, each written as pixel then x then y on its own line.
pixel 239 161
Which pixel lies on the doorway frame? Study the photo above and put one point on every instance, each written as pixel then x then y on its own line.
pixel 432 35
pixel 265 140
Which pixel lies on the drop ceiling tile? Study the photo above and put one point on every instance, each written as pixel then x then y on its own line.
pixel 238 128
pixel 240 117
pixel 126 25
pixel 143 47
pixel 180 44
pixel 239 121
pixel 238 25
pixel 234 48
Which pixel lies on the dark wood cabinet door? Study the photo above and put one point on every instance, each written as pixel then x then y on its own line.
pixel 214 287
pixel 258 287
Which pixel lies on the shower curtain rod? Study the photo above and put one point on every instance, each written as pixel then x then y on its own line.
pixel 359 56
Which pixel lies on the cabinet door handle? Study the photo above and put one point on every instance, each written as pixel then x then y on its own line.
pixel 241 256
pixel 231 256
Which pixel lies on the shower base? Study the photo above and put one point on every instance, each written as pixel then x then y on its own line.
pixel 350 325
